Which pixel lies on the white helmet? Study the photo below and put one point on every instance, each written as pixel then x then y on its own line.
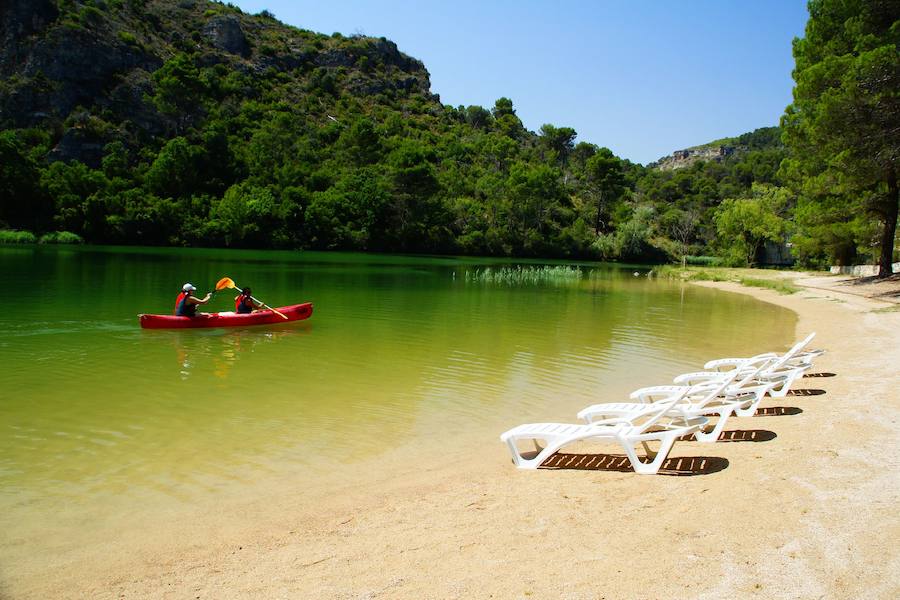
pixel 188 287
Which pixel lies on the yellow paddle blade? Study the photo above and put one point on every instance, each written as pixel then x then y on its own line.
pixel 225 282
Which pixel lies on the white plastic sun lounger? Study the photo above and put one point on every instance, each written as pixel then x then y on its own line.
pixel 722 399
pixel 776 370
pixel 799 358
pixel 652 424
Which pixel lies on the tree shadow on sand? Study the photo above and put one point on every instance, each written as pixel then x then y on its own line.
pixel 682 466
pixel 822 374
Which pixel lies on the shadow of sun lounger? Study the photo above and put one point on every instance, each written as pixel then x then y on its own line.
pixel 674 466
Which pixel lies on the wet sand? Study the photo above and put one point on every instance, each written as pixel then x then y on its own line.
pixel 800 502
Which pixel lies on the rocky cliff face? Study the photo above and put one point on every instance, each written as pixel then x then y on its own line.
pixel 764 138
pixel 19 21
pixel 62 57
pixel 225 33
pixel 685 158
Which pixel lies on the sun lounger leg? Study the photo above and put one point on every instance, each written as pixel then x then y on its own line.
pixel 713 435
pixel 751 409
pixel 543 453
pixel 656 459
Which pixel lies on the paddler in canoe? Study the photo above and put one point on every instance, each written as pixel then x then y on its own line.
pixel 245 303
pixel 186 303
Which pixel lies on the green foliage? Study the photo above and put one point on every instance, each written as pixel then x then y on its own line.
pixel 333 142
pixel 74 188
pixel 832 230
pixel 633 237
pixel 353 214
pixel 12 236
pixel 782 286
pixel 90 16
pixel 175 171
pixel 558 143
pixel 606 180
pixel 128 38
pixel 845 117
pixel 744 224
pixel 178 87
pixel 22 201
pixel 61 237
pixel 779 285
pixel 524 275
pixel 701 260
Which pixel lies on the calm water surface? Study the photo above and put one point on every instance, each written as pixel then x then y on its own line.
pixel 96 411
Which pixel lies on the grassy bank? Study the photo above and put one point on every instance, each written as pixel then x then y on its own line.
pixel 14 236
pixel 774 280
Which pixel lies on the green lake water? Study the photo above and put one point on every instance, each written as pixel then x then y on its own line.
pixel 97 414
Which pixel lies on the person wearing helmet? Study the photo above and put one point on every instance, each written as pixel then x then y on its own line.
pixel 246 303
pixel 186 303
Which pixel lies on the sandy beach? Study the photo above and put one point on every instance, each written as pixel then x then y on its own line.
pixel 799 502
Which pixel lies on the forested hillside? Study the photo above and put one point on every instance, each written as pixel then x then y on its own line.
pixel 191 123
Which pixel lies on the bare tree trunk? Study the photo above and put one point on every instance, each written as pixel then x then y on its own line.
pixel 890 226
pixel 597 221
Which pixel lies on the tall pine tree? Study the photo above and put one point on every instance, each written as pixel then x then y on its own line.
pixel 844 123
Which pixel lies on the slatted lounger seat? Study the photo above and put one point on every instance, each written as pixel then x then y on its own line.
pixel 652 424
pixel 721 399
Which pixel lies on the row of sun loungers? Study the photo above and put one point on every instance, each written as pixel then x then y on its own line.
pixel 663 414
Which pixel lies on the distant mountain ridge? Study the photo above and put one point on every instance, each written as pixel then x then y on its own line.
pixel 192 123
pixel 69 65
pixel 764 138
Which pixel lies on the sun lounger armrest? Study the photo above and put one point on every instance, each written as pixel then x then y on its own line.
pixel 787 370
pixel 727 364
pixel 610 421
pixel 656 392
pixel 697 377
pixel 615 414
pixel 756 390
pixel 724 364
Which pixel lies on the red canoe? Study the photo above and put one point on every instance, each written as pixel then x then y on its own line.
pixel 297 312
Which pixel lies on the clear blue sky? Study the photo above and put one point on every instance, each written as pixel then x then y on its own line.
pixel 642 77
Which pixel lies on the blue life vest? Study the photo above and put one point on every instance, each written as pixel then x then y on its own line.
pixel 183 308
pixel 243 305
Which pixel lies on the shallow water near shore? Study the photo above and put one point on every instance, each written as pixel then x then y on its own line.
pixel 101 419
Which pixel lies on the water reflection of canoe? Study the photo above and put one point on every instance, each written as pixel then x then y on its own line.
pixel 297 312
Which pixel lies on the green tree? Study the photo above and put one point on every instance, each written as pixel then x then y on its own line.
pixel 845 118
pixel 745 224
pixel 606 181
pixel 352 215
pixel 22 201
pixel 633 237
pixel 179 89
pixel 175 171
pixel 535 196
pixel 478 117
pixel 361 142
pixel 71 187
pixel 419 217
pixel 247 215
pixel 559 142
pixel 506 120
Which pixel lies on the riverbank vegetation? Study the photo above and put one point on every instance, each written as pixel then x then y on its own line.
pixel 775 280
pixel 194 124
pixel 12 236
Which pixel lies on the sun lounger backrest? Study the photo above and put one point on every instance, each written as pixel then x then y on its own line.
pixel 714 388
pixel 787 356
pixel 657 410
